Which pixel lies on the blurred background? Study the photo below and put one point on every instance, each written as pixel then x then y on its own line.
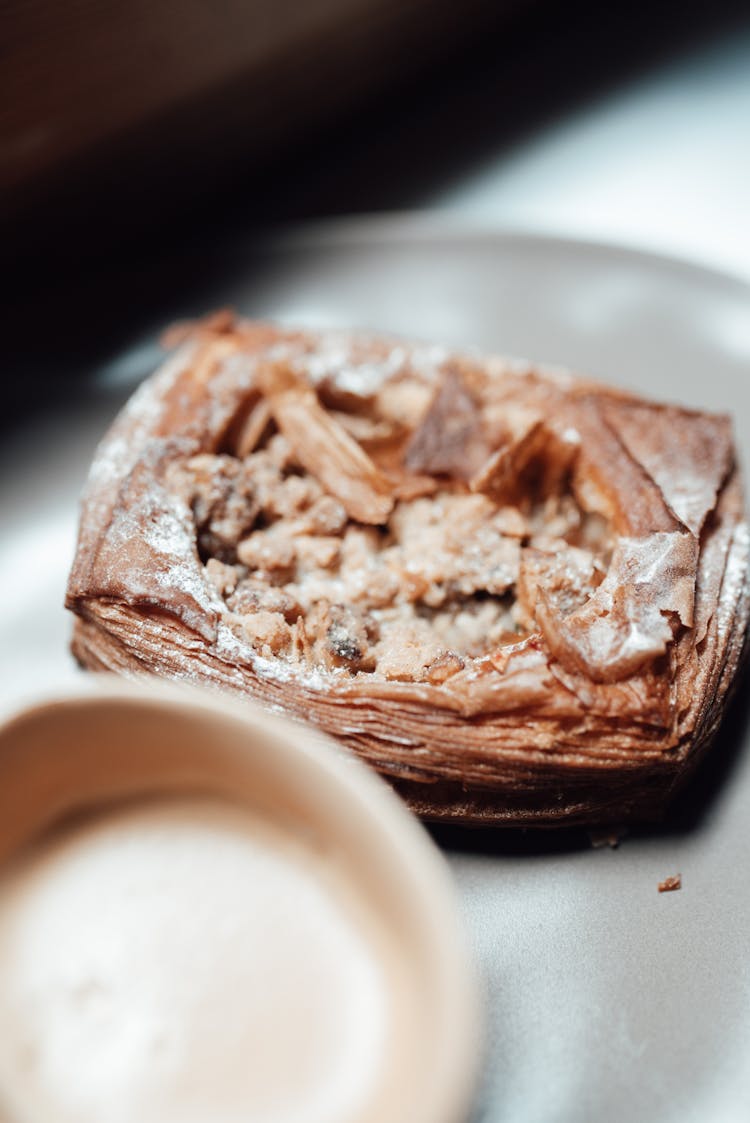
pixel 135 137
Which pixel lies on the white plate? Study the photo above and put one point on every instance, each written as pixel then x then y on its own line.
pixel 608 1001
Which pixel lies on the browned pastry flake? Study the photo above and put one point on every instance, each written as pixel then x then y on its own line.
pixel 520 595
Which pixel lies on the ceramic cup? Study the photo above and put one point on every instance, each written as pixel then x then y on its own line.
pixel 209 913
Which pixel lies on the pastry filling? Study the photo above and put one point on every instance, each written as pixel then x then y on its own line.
pixel 401 535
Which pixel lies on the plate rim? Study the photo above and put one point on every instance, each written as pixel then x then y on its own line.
pixel 425 226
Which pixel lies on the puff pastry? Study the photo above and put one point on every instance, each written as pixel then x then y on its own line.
pixel 520 595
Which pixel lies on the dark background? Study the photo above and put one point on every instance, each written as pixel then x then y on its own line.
pixel 135 145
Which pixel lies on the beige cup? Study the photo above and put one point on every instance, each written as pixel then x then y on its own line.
pixel 114 750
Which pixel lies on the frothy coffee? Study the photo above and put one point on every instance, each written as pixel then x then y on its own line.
pixel 188 962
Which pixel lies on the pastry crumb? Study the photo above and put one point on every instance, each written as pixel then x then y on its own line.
pixel 670 884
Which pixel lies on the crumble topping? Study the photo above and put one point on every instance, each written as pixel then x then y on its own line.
pixel 401 533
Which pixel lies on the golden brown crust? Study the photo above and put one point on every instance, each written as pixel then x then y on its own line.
pixel 519 595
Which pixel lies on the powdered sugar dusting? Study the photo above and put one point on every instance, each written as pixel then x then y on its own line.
pixel 361 367
pixel 735 584
pixel 626 620
pixel 122 447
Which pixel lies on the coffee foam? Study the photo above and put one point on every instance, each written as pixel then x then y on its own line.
pixel 186 961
